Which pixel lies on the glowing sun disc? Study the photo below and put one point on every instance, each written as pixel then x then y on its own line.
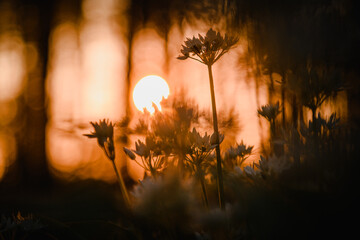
pixel 150 89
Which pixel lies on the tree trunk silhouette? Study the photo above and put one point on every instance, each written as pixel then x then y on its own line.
pixel 30 170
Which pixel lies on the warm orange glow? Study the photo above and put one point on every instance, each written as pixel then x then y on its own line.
pixel 8 111
pixel 12 65
pixel 72 155
pixel 148 54
pixel 7 150
pixel 12 75
pixel 2 162
pixel 150 89
pixel 85 83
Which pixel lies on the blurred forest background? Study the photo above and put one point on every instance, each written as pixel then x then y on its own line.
pixel 64 63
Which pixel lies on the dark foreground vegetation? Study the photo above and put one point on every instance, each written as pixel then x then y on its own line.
pixel 276 197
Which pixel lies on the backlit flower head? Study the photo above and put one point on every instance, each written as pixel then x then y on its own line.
pixel 236 156
pixel 270 111
pixel 104 132
pixel 151 156
pixel 241 150
pixel 197 141
pixel 200 147
pixel 207 49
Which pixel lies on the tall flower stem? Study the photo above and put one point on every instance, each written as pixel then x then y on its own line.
pixel 203 187
pixel 217 148
pixel 122 185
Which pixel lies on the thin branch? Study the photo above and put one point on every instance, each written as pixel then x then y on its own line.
pixel 196 60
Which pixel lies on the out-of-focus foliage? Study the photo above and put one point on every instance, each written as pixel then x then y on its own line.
pixel 164 207
pixel 314 86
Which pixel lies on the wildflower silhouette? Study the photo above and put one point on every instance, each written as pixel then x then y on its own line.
pixel 200 148
pixel 152 159
pixel 104 132
pixel 314 85
pixel 236 156
pixel 208 50
pixel 270 112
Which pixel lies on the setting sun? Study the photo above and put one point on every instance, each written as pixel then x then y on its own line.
pixel 150 89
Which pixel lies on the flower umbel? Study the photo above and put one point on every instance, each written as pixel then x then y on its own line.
pixel 209 48
pixel 197 156
pixel 270 111
pixel 199 150
pixel 236 156
pixel 104 132
pixel 152 157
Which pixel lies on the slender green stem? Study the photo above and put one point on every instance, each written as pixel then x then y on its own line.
pixel 217 148
pixel 122 185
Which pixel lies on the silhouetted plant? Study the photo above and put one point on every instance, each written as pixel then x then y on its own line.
pixel 208 50
pixel 104 133
pixel 170 128
pixel 197 157
pixel 236 156
pixel 314 85
pixel 152 158
pixel 270 112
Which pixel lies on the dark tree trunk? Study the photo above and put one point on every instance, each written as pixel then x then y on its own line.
pixel 127 87
pixel 31 167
